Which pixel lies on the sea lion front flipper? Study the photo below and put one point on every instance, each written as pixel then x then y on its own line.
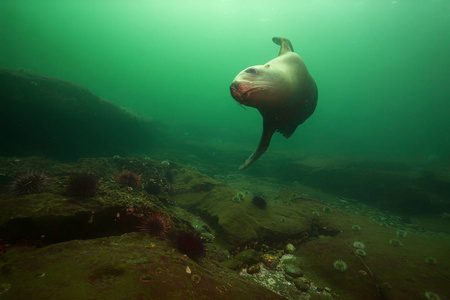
pixel 268 131
pixel 285 44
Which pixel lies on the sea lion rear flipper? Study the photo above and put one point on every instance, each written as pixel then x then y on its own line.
pixel 268 131
pixel 285 44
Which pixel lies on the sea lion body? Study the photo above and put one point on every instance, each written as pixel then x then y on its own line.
pixel 282 90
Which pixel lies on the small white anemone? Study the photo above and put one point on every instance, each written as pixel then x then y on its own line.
pixel 359 245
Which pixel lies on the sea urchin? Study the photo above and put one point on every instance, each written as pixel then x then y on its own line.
pixel 30 182
pixel 259 202
pixel 155 224
pixel 129 178
pixel 190 243
pixel 82 185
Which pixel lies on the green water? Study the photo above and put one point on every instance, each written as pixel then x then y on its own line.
pixel 382 67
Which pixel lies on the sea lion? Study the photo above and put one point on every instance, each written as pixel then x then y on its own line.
pixel 282 90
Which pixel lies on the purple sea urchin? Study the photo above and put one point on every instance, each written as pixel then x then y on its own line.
pixel 129 178
pixel 30 182
pixel 82 185
pixel 259 202
pixel 155 224
pixel 190 243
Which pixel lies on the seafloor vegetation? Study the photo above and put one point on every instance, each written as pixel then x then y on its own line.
pixel 163 230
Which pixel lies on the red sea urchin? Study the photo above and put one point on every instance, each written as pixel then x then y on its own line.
pixel 30 182
pixel 155 224
pixel 190 243
pixel 82 185
pixel 129 178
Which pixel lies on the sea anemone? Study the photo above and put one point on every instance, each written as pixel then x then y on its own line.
pixel 356 227
pixel 190 243
pixel 155 224
pixel 30 182
pixel 401 233
pixel 432 296
pixel 236 199
pixel 431 260
pixel 359 245
pixel 129 178
pixel 327 209
pixel 196 278
pixel 82 185
pixel 340 265
pixel 360 252
pixel 259 202
pixel 395 243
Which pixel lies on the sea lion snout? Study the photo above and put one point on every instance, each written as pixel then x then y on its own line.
pixel 233 88
pixel 236 91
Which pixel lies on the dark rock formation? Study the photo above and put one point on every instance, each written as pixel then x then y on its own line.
pixel 41 115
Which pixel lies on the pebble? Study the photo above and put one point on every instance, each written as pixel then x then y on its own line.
pixel 293 271
pixel 301 285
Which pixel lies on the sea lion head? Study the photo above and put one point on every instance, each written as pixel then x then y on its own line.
pixel 258 86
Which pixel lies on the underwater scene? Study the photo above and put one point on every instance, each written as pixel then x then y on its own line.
pixel 225 149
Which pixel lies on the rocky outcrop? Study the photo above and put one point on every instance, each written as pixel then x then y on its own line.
pixel 42 115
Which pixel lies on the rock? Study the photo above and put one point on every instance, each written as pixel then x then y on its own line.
pixel 293 270
pixel 301 285
pixel 240 223
pixel 270 260
pixel 254 269
pixel 118 267
pixel 39 112
pixel 54 216
pixel 246 257
pixel 207 237
pixel 249 257
pixel 291 266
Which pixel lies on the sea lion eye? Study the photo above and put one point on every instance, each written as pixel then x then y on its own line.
pixel 251 71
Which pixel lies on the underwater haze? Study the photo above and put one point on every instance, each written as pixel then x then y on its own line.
pixel 382 67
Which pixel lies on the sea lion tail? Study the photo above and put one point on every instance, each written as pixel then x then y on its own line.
pixel 285 44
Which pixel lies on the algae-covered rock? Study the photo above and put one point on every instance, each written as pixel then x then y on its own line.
pixel 246 257
pixel 56 215
pixel 240 222
pixel 301 284
pixel 293 270
pixel 63 120
pixel 131 266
